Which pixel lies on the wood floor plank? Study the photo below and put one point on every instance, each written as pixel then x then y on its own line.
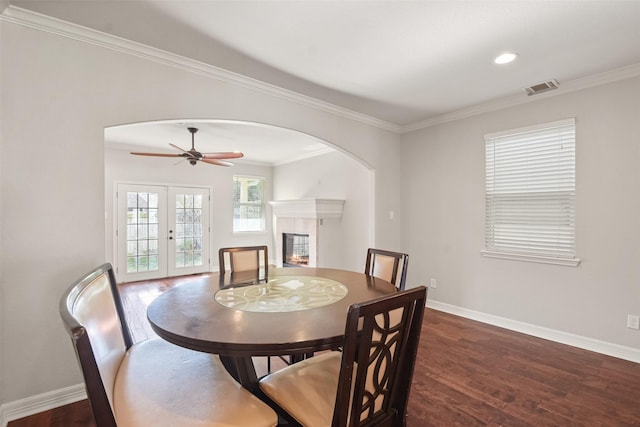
pixel 464 368
pixel 467 374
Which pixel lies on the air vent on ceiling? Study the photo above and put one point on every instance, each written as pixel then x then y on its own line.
pixel 541 87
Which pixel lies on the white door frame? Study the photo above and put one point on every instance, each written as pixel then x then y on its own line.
pixel 123 276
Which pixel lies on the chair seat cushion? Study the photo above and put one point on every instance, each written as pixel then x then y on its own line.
pixel 306 390
pixel 161 384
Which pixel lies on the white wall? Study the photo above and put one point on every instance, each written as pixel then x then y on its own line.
pixel 333 176
pixel 443 201
pixel 58 95
pixel 120 166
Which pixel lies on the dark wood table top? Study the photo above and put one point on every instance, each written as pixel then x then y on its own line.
pixel 189 315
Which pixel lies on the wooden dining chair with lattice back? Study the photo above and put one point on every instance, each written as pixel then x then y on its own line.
pixel 365 384
pixel 388 265
pixel 153 382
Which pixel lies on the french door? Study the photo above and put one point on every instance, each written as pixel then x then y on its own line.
pixel 162 231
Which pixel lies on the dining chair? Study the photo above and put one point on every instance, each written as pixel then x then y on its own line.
pixel 243 258
pixel 151 383
pixel 365 384
pixel 387 265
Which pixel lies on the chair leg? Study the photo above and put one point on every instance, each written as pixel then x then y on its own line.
pixel 298 357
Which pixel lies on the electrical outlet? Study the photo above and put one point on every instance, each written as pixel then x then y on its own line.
pixel 433 283
pixel 633 321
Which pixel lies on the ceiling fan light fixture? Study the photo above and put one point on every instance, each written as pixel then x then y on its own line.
pixel 193 156
pixel 505 58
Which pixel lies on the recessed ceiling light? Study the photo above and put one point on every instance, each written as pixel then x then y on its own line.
pixel 505 58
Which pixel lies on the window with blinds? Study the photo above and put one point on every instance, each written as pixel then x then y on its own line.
pixel 530 193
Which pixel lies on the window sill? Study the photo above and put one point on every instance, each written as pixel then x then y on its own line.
pixel 568 262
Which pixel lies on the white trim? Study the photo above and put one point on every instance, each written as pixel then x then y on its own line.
pixel 586 343
pixel 62 28
pixel 372 208
pixel 42 402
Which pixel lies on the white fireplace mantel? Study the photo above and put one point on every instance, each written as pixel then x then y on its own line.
pixel 305 216
pixel 308 208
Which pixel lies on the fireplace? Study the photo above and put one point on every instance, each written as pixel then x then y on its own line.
pixel 295 250
pixel 312 226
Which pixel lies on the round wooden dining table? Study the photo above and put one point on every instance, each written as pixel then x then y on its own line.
pixel 290 311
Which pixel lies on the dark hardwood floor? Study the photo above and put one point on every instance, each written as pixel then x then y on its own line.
pixel 467 374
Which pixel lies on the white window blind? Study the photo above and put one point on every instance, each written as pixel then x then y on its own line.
pixel 530 193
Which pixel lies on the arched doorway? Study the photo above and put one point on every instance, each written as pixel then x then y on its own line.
pixel 295 165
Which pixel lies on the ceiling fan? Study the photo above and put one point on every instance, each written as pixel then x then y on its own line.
pixel 193 156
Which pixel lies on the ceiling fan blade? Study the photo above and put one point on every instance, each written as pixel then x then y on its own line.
pixel 223 155
pixel 216 162
pixel 178 148
pixel 193 156
pixel 156 154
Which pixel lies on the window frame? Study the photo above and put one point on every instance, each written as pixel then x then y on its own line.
pixel 262 205
pixel 500 214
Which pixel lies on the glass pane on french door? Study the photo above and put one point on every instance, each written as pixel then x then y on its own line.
pixel 189 230
pixel 142 231
pixel 162 231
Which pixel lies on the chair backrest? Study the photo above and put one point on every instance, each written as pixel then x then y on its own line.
pixel 387 265
pixel 243 258
pixel 378 358
pixel 92 313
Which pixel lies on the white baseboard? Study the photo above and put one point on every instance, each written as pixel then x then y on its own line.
pixel 43 402
pixel 615 350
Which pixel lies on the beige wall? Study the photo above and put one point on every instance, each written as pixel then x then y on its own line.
pixel 443 201
pixel 58 95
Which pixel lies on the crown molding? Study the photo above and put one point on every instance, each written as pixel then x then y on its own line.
pixel 37 21
pixel 627 72
pixel 59 27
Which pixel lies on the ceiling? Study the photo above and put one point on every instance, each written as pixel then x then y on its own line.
pixel 261 144
pixel 400 62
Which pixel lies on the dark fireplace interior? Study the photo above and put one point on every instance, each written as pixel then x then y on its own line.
pixel 295 250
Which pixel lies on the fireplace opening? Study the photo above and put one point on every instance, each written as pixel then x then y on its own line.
pixel 295 250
